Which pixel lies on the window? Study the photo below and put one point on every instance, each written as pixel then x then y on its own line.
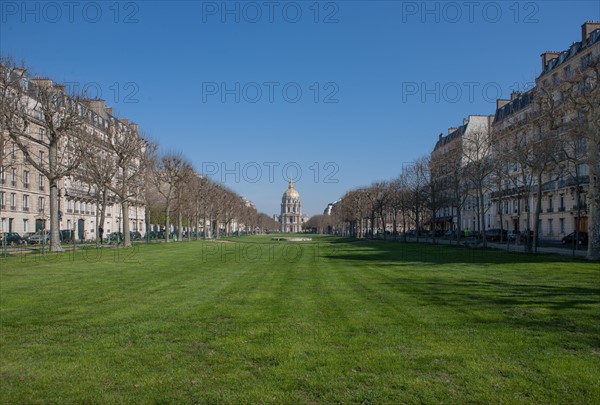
pixel 41 182
pixel 25 225
pixel 13 201
pixel 550 230
pixel 550 204
pixel 2 176
pixel 562 203
pixel 26 178
pixel 13 151
pixel 568 72
pixel 587 59
pixel 13 180
pixel 41 161
pixel 2 200
pixel 41 134
pixel 41 204
pixel 561 223
pixel 25 202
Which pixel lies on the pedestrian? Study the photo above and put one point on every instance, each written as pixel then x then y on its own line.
pixel 100 233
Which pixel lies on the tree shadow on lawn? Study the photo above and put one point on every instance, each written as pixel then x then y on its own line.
pixel 390 253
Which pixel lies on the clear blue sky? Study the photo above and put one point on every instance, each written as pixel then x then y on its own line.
pixel 401 73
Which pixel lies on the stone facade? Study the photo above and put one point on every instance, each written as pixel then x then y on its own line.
pixel 25 192
pixel 290 219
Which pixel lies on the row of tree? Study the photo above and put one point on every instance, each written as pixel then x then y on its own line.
pixel 70 139
pixel 551 141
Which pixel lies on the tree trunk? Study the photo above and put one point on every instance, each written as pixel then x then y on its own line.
pixel 593 252
pixel 179 226
pixel 55 245
pixel 167 222
pixel 126 235
pixel 536 215
pixel 101 211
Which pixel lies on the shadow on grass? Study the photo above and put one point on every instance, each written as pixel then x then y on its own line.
pixel 391 253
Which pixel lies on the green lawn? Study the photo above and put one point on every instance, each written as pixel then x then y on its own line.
pixel 255 321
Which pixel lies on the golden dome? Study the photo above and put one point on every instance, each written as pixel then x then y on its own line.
pixel 291 193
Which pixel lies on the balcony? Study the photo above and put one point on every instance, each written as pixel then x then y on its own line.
pixel 69 211
pixel 581 207
pixel 41 209
pixel 26 185
pixel 41 188
pixel 108 214
pixel 13 207
pixel 550 209
pixel 2 207
pixel 13 183
pixel 76 211
pixel 2 182
pixel 561 209
pixel 25 209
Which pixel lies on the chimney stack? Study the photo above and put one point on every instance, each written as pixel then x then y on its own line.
pixel 514 95
pixel 42 83
pixel 60 87
pixel 501 103
pixel 465 121
pixel 96 105
pixel 134 127
pixel 587 28
pixel 547 57
pixel 108 110
pixel 441 136
pixel 124 121
pixel 451 129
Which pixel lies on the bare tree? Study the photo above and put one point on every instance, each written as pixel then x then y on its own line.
pixel 131 152
pixel 37 102
pixel 168 173
pixel 582 94
pixel 417 179
pixel 479 165
pixel 98 169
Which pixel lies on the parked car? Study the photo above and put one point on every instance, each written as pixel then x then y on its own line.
pixel 11 238
pixel 513 235
pixel 156 234
pixel 135 235
pixel 495 235
pixel 115 237
pixel 26 236
pixel 66 235
pixel 40 237
pixel 581 240
pixel 523 236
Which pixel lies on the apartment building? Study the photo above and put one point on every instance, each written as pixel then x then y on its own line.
pixel 25 192
pixel 453 153
pixel 564 184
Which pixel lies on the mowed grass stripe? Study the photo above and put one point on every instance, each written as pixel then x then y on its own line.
pixel 344 322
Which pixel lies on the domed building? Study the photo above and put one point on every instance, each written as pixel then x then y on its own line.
pixel 291 216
